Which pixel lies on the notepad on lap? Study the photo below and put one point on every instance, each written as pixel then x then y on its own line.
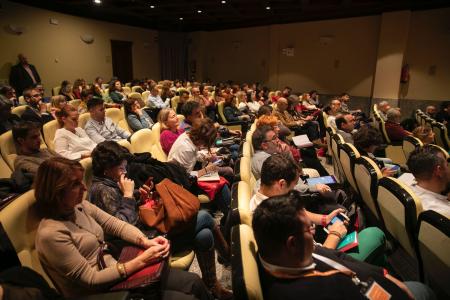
pixel 302 141
pixel 214 176
pixel 348 242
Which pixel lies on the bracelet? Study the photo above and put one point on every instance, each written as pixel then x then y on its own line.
pixel 324 221
pixel 335 233
pixel 122 270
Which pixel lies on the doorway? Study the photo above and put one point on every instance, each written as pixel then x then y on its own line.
pixel 122 60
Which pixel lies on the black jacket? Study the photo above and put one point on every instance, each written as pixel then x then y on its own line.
pixel 20 79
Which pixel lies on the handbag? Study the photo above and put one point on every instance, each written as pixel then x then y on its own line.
pixel 172 209
pixel 148 277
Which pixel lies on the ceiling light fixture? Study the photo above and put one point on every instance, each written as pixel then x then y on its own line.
pixel 152 6
pixel 224 2
pixel 98 1
pixel 181 19
pixel 268 7
pixel 199 11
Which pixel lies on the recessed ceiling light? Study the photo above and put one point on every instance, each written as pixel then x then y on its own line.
pixel 268 7
pixel 199 11
pixel 181 19
pixel 152 6
pixel 224 2
pixel 98 1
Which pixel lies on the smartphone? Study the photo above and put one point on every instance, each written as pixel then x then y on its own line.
pixel 341 217
pixel 218 162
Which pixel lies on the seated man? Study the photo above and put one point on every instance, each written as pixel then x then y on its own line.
pixel 345 125
pixel 191 110
pixel 36 110
pixel 383 107
pixel 8 94
pixel 280 175
pixel 432 176
pixel 394 130
pixel 431 111
pixel 184 98
pixel 335 107
pixel 292 266
pixel 154 99
pixel 27 138
pixel 99 128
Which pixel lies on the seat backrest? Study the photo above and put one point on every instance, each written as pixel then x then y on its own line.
pixel 142 141
pixel 83 118
pixel 247 149
pixel 22 100
pixel 134 88
pixel 19 110
pixel 367 174
pixel 174 102
pixel 126 89
pixel 55 90
pixel 156 132
pixel 114 114
pixel 125 143
pixel 383 131
pixel 399 208
pixel 158 153
pixel 5 170
pixel 123 123
pixel 442 150
pixel 336 142
pixel 347 156
pixel 75 102
pixel 8 148
pixel 220 107
pixel 87 177
pixel 145 96
pixel 20 221
pixel 410 144
pixel 49 130
pixel 434 248
pixel 245 275
pixel 244 195
pixel 135 95
pixel 328 134
pixel 440 135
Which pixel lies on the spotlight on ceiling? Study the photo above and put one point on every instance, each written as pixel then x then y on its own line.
pixel 152 6
pixel 199 11
pixel 181 19
pixel 98 1
pixel 224 2
pixel 268 7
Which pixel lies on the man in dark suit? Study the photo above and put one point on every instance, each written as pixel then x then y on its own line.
pixel 36 111
pixel 23 75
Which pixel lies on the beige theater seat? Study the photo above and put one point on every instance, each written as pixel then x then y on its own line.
pixel 20 221
pixel 19 110
pixel 114 114
pixel 174 102
pixel 245 275
pixel 8 148
pixel 336 142
pixel 367 175
pixel 5 170
pixel 134 88
pixel 347 156
pixel 434 249
pixel 145 96
pixel 75 102
pixel 126 89
pixel 244 194
pixel 82 119
pixel 442 150
pixel 399 208
pixel 410 144
pixel 245 171
pixel 123 123
pixel 125 144
pixel 87 177
pixel 229 125
pixel 142 141
pixel 394 152
pixel 49 130
pixel 441 135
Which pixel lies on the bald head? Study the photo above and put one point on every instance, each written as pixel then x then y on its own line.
pixel 22 59
pixel 384 106
pixel 282 104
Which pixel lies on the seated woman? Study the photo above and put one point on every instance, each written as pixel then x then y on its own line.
pixel 116 93
pixel 137 118
pixel 170 131
pixel 78 86
pixel 86 95
pixel 186 151
pixel 56 103
pixel 366 141
pixel 231 112
pixel 72 231
pixel 247 106
pixel 66 90
pixel 71 141
pixel 97 89
pixel 113 192
pixel 425 134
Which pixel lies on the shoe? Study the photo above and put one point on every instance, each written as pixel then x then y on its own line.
pixel 207 263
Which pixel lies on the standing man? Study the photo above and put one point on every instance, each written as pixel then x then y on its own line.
pixel 23 75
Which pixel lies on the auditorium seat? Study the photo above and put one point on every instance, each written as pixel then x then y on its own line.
pixel 367 174
pixel 142 141
pixel 442 150
pixel 441 135
pixel 19 110
pixel 126 89
pixel 174 102
pixel 123 123
pixel 399 208
pixel 8 148
pixel 336 141
pixel 55 90
pixel 49 131
pixel 134 88
pixel 5 170
pixel 394 151
pixel 245 275
pixel 75 102
pixel 224 121
pixel 434 248
pixel 145 95
pixel 82 119
pixel 410 144
pixel 347 156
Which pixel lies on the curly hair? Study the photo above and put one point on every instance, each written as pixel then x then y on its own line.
pixel 271 121
pixel 107 155
pixel 203 132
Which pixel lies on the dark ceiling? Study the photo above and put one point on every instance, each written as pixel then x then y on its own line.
pixel 183 15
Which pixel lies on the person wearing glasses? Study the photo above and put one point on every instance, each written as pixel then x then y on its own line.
pixel 36 110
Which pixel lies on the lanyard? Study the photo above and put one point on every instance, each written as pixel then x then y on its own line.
pixel 294 273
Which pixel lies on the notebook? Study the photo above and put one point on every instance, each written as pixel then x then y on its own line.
pixel 214 176
pixel 348 242
pixel 302 141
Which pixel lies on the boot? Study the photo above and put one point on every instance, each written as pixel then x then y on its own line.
pixel 222 247
pixel 207 263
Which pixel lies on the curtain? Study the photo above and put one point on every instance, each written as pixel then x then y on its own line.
pixel 173 54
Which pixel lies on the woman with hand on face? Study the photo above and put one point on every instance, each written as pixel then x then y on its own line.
pixel 71 141
pixel 137 118
pixel 113 192
pixel 72 231
pixel 116 92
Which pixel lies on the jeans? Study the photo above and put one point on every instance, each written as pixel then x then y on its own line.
pixel 420 290
pixel 201 238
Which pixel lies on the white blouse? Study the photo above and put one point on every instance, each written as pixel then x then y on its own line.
pixel 184 152
pixel 73 145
